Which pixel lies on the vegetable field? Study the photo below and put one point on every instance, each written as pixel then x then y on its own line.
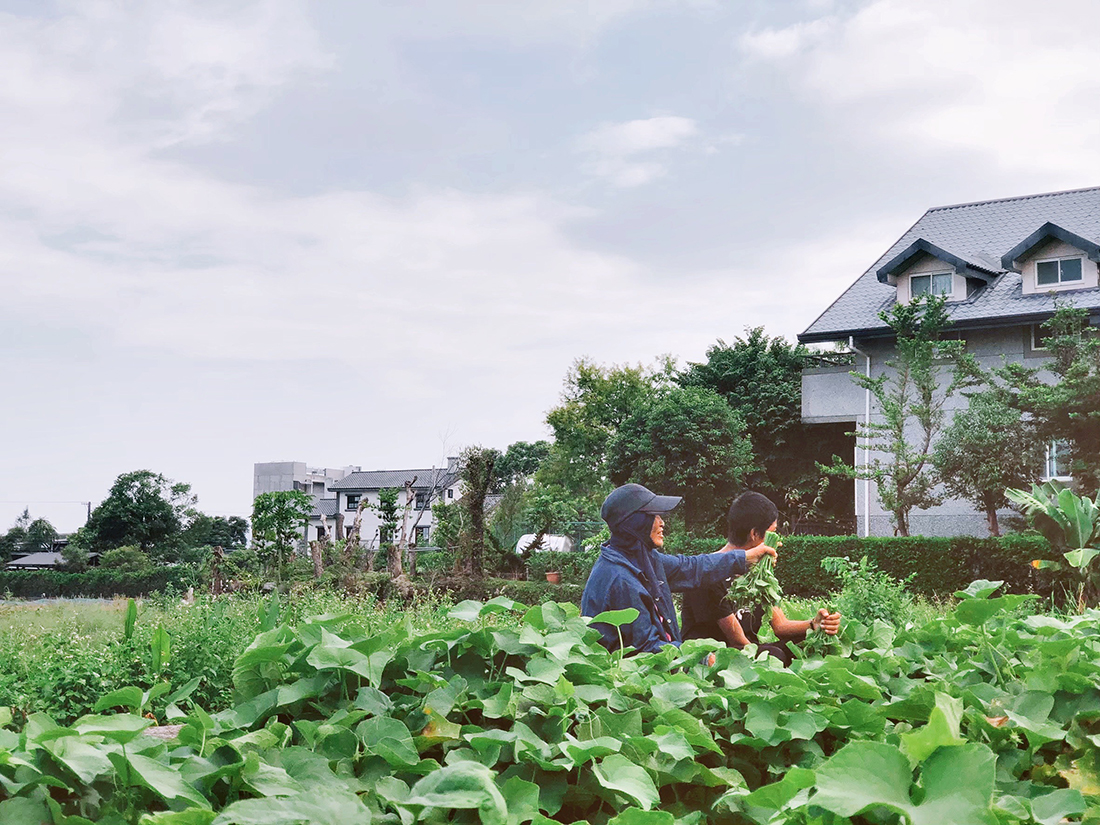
pixel 987 715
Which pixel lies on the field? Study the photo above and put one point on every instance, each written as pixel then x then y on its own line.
pixel 506 715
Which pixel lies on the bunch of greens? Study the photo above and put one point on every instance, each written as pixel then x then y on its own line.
pixel 820 643
pixel 759 588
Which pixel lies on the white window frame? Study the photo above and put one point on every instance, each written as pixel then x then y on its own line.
pixel 1061 284
pixel 1035 334
pixel 931 276
pixel 1052 447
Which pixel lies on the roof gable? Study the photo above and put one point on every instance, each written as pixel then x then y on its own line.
pixel 1048 231
pixel 379 479
pixel 888 273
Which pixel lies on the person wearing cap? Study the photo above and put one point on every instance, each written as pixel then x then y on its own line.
pixel 631 572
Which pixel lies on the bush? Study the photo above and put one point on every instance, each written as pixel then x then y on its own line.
pixel 574 567
pixel 127 559
pixel 96 583
pixel 867 594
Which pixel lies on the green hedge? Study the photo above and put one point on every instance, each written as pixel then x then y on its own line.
pixel 938 566
pixel 102 584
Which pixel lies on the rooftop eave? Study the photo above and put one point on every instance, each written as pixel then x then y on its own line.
pixel 888 273
pixel 1045 232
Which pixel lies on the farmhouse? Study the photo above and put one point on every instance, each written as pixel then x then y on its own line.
pixel 1001 264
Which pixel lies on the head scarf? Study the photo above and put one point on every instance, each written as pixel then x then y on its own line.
pixel 632 537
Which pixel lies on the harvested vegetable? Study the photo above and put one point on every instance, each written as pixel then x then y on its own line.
pixel 820 643
pixel 759 587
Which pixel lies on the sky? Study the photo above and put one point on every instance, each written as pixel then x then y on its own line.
pixel 374 232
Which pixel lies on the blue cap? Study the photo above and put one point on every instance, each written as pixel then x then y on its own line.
pixel 634 498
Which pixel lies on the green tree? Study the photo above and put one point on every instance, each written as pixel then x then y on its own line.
pixel 278 521
pixel 595 401
pixel 26 536
pixel 1068 408
pixel 521 461
pixel 986 449
pixel 143 508
pixel 388 513
pixel 910 397
pixel 761 378
pixel 126 560
pixel 479 478
pixel 687 440
pixel 216 531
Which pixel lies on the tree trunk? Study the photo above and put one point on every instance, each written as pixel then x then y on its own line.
pixel 315 551
pixel 991 519
pixel 902 519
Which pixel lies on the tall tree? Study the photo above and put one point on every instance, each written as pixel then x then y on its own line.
pixel 26 536
pixel 910 397
pixel 143 508
pixel 988 448
pixel 595 401
pixel 479 478
pixel 1068 408
pixel 216 531
pixel 687 440
pixel 278 520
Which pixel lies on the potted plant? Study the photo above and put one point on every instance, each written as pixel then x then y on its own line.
pixel 553 576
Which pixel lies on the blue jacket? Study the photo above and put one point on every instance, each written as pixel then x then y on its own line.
pixel 616 582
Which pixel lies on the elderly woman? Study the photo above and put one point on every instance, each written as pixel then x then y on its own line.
pixel 632 572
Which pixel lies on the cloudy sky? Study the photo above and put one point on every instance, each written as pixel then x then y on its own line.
pixel 373 231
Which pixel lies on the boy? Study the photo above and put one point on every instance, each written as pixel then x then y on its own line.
pixel 707 612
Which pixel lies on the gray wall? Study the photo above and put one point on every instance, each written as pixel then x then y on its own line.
pixel 830 394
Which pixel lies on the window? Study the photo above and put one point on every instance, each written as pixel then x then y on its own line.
pixel 1061 271
pixel 1057 463
pixel 1039 338
pixel 352 501
pixel 938 283
pixel 450 492
pixel 421 499
pixel 422 535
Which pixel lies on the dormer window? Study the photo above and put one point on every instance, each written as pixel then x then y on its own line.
pixel 1058 271
pixel 936 283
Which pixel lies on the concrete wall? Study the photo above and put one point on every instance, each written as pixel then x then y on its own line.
pixel 828 398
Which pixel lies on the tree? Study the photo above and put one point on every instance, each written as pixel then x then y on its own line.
pixel 1067 409
pixel 143 508
pixel 126 560
pixel 687 440
pixel 478 474
pixel 911 399
pixel 595 402
pixel 986 449
pixel 521 461
pixel 387 528
pixel 216 531
pixel 278 519
pixel 26 536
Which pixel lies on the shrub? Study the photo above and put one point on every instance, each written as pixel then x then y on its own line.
pixel 97 583
pixel 867 593
pixel 128 559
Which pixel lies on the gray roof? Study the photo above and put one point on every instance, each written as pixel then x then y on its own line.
pixel 979 234
pixel 378 479
pixel 324 507
pixel 36 560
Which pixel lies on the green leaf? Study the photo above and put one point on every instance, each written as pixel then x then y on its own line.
pixel 616 618
pixel 192 816
pixel 269 613
pixel 131 620
pixel 1082 557
pixel 184 691
pixel 161 778
pixel 463 785
pixel 617 773
pixel 126 697
pixel 1054 807
pixel 957 783
pixel 390 739
pixel 979 589
pixel 373 701
pixel 23 811
pixel 634 816
pixel 522 800
pixel 161 647
pixel 86 761
pixel 333 806
pixel 121 728
pixel 942 730
pixel 466 611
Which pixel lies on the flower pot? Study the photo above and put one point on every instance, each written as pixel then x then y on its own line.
pixel 554 577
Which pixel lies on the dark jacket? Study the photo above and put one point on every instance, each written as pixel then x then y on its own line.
pixel 617 582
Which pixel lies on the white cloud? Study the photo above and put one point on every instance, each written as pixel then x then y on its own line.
pixel 613 147
pixel 1008 82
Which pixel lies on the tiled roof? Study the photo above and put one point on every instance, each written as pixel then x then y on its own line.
pixel 378 479
pixel 43 559
pixel 980 233
pixel 324 507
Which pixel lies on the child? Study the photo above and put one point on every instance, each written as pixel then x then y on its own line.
pixel 707 612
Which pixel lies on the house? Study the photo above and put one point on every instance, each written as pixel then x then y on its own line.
pixel 1001 264
pixel 430 485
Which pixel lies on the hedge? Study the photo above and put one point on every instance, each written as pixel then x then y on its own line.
pixel 937 566
pixel 101 584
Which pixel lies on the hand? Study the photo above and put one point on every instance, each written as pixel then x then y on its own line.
pixel 755 554
pixel 824 620
pixel 711 659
